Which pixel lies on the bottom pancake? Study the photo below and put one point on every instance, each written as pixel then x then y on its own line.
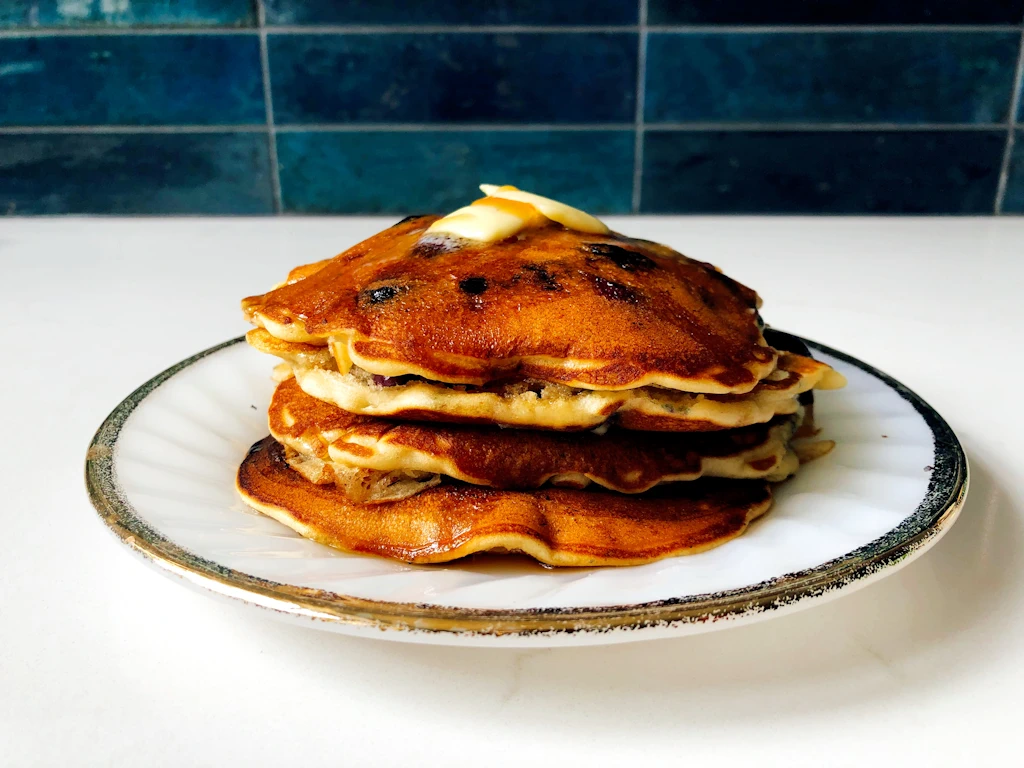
pixel 556 526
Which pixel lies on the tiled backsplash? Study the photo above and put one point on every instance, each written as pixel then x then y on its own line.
pixel 659 106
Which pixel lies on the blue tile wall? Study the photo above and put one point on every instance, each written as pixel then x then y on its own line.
pixel 811 171
pixel 460 78
pixel 131 80
pixel 60 13
pixel 826 12
pixel 397 171
pixel 399 13
pixel 890 77
pixel 135 173
pixel 399 106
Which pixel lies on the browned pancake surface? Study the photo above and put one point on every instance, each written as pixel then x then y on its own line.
pixel 557 526
pixel 622 312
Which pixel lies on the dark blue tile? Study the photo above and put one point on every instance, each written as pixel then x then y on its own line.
pixel 459 78
pixel 58 13
pixel 835 12
pixel 135 173
pixel 858 77
pixel 423 171
pixel 821 172
pixel 899 77
pixel 1013 202
pixel 406 12
pixel 131 80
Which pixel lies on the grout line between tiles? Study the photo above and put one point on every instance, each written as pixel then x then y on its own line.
pixel 448 127
pixel 342 29
pixel 771 29
pixel 124 31
pixel 1011 130
pixel 782 126
pixel 440 29
pixel 268 103
pixel 641 93
pixel 320 29
pixel 504 127
pixel 42 129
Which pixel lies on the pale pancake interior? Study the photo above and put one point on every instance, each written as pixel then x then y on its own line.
pixel 550 406
pixel 380 460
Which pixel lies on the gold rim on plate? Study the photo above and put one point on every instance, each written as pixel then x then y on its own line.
pixel 947 490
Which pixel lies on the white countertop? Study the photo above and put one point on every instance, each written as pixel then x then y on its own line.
pixel 103 661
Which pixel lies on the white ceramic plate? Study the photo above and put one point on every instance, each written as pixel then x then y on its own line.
pixel 161 473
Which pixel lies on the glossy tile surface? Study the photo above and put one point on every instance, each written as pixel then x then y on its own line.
pixel 457 78
pixel 835 12
pixel 60 13
pixel 424 171
pixel 133 173
pixel 441 86
pixel 880 77
pixel 131 80
pixel 410 12
pixel 918 172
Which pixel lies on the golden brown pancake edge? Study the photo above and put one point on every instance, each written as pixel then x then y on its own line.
pixel 535 306
pixel 561 527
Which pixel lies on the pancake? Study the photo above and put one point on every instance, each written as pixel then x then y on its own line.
pixel 587 310
pixel 651 407
pixel 557 526
pixel 361 485
pixel 542 405
pixel 399 459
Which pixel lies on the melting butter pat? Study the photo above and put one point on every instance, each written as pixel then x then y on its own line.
pixel 485 223
pixel 506 211
pixel 566 215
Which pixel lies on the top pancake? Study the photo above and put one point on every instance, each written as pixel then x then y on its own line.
pixel 600 312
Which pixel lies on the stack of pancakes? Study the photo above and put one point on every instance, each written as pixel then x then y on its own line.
pixel 515 377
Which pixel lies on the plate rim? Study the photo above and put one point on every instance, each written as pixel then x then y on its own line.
pixel 947 489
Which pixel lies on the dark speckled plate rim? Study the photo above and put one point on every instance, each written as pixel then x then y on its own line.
pixel 946 492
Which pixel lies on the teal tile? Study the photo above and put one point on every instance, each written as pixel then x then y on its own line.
pixel 218 173
pixel 188 13
pixel 845 172
pixel 131 80
pixel 434 171
pixel 835 12
pixel 410 12
pixel 875 77
pixel 454 78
